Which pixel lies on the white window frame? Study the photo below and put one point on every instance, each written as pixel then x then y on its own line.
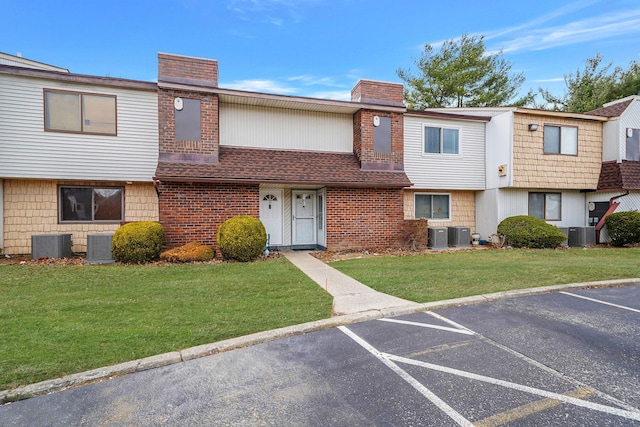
pixel 442 128
pixel 84 124
pixel 448 219
pixel 563 134
pixel 544 207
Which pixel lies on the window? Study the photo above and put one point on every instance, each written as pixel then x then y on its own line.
pixel 560 140
pixel 633 145
pixel 441 140
pixel 79 112
pixel 88 204
pixel 432 206
pixel 547 206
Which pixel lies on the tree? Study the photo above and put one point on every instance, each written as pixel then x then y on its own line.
pixel 594 86
pixel 462 74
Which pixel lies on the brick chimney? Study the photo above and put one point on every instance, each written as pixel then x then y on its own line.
pixel 188 117
pixel 378 128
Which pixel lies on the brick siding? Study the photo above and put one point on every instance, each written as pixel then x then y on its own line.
pixel 194 211
pixel 209 119
pixel 359 218
pixel 187 69
pixel 363 141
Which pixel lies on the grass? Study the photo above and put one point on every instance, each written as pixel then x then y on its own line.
pixel 58 320
pixel 454 274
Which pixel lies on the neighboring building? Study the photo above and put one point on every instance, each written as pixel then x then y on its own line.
pixel 619 184
pixel 318 173
pixel 444 156
pixel 77 153
pixel 539 163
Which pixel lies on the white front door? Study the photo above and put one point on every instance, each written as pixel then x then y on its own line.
pixel 303 208
pixel 271 214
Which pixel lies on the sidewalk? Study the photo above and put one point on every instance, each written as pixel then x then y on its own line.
pixel 349 295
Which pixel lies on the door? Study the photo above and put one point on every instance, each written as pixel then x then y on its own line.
pixel 303 210
pixel 271 215
pixel 321 223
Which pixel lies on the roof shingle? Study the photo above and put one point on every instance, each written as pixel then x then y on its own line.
pixel 282 167
pixel 614 110
pixel 619 176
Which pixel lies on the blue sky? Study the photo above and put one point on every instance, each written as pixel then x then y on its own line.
pixel 317 48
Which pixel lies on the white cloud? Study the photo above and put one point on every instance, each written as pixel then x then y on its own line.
pixel 595 28
pixel 550 80
pixel 310 80
pixel 269 86
pixel 337 95
pixel 275 12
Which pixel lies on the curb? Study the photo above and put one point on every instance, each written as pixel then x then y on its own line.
pixel 109 372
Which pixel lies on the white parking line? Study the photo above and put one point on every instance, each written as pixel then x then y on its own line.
pixel 632 415
pixel 601 302
pixel 428 325
pixel 441 404
pixel 389 359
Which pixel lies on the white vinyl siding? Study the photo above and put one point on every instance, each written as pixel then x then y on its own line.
pixel 464 171
pixel 493 206
pixel 629 119
pixel 266 127
pixel 30 152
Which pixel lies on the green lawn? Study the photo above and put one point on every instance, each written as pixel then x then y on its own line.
pixel 58 320
pixel 453 274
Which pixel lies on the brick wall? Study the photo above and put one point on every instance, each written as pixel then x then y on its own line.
pixel 194 211
pixel 31 207
pixel 359 218
pixel 369 91
pixel 363 141
pixel 187 69
pixel 534 169
pixel 209 122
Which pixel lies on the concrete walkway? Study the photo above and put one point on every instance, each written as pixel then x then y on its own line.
pixel 349 295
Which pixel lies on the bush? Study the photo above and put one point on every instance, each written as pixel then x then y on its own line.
pixel 623 228
pixel 137 242
pixel 416 233
pixel 191 252
pixel 242 238
pixel 524 231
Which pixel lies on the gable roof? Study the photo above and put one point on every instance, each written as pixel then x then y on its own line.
pixel 612 110
pixel 619 176
pixel 252 165
pixel 19 61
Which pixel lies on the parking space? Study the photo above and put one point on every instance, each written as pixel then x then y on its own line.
pixel 568 358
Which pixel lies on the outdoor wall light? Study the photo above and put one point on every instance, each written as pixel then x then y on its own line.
pixel 533 127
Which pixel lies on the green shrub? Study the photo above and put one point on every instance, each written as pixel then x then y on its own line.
pixel 137 242
pixel 241 238
pixel 623 228
pixel 191 252
pixel 524 231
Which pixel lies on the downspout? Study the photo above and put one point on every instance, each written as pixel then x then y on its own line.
pixel 612 207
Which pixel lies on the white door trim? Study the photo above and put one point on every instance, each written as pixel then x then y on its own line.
pixel 303 218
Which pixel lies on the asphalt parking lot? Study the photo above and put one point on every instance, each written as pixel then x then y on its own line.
pixel 570 358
